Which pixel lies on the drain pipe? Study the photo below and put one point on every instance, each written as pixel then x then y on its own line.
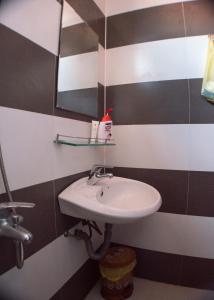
pixel 81 235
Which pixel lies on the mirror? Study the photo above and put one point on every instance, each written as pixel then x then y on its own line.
pixel 77 87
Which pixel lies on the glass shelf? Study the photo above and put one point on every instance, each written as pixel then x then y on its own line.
pixel 81 141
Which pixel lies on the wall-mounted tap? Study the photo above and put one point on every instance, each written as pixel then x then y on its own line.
pixel 97 173
pixel 10 221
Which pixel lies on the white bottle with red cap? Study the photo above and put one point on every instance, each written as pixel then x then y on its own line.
pixel 105 128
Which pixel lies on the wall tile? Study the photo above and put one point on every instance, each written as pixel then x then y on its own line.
pixel 156 23
pixel 201 147
pixel 201 110
pixel 27 147
pixel 27 75
pixel 162 60
pixel 201 194
pixel 195 55
pixel 151 147
pixel 158 266
pixel 149 103
pixel 198 273
pixel 170 233
pixel 196 25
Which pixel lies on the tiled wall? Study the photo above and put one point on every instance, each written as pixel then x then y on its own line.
pixel 163 128
pixel 37 168
pixel 156 53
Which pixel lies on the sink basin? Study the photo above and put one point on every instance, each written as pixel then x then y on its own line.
pixel 112 200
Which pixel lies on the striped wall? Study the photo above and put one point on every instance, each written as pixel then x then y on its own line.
pixel 156 53
pixel 37 168
pixel 154 66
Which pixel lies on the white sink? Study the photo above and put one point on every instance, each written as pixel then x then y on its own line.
pixel 112 200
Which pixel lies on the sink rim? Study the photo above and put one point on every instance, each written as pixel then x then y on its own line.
pixel 100 210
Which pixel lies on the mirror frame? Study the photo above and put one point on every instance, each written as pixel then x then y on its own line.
pixel 100 31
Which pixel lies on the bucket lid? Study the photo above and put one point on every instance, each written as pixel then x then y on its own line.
pixel 118 257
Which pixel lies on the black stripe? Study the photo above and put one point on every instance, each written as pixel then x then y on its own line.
pixel 198 272
pixel 77 116
pixel 175 269
pixel 163 102
pixel 199 17
pixel 158 266
pixel 80 283
pixel 160 22
pixel 201 194
pixel 82 101
pixel 92 15
pixel 201 111
pixel 150 24
pixel 26 75
pixel 40 220
pixel 182 192
pixel 159 102
pixel 78 39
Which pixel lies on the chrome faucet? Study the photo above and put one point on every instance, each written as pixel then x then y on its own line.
pixel 96 174
pixel 10 222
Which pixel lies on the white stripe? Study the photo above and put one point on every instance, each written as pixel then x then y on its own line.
pixel 170 59
pixel 170 233
pixel 150 146
pixel 173 147
pixel 78 71
pixel 121 6
pixel 46 271
pixel 38 20
pixel 30 155
pixel 69 16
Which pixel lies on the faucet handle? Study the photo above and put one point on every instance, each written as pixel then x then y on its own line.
pixel 95 167
pixel 5 205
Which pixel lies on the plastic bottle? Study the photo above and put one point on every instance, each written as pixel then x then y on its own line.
pixel 94 131
pixel 105 128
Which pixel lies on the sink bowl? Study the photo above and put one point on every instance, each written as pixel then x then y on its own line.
pixel 112 200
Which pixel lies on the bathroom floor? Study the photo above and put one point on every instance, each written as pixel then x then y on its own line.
pixel 151 290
